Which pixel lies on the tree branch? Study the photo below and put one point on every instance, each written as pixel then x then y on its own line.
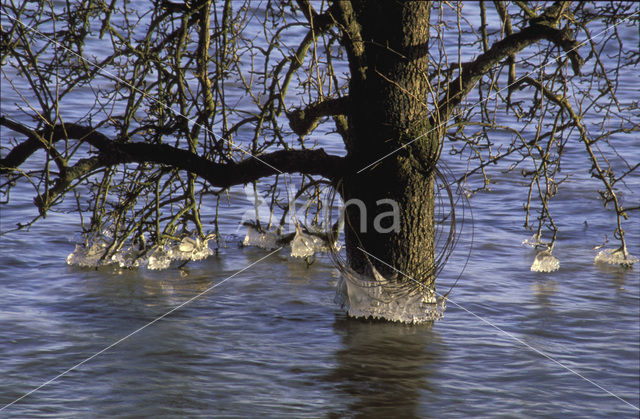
pixel 319 22
pixel 509 46
pixel 596 170
pixel 351 36
pixel 530 13
pixel 302 121
pixel 81 168
pixel 310 162
pixel 501 8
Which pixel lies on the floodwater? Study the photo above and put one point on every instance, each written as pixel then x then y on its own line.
pixel 271 342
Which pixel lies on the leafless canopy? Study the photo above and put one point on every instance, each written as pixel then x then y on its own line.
pixel 134 116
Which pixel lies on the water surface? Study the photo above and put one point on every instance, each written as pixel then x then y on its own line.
pixel 271 342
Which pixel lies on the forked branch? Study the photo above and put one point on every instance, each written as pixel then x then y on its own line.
pixel 472 71
pixel 111 153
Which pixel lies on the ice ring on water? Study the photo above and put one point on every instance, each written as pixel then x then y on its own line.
pixel 305 245
pixel 373 296
pixel 89 255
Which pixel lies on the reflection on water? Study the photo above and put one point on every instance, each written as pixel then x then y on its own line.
pixel 616 277
pixel 383 367
pixel 543 290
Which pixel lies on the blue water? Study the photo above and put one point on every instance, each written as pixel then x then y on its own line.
pixel 271 342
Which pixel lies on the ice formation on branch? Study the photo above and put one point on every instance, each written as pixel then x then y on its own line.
pixel 305 245
pixel 533 241
pixel 304 242
pixel 617 256
pixel 96 253
pixel 545 262
pixel 89 255
pixel 263 239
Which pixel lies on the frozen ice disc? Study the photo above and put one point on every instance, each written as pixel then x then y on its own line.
pixel 545 262
pixel 304 245
pixel 615 257
pixel 265 240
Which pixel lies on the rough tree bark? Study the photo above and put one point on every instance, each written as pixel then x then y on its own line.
pixel 388 54
pixel 391 125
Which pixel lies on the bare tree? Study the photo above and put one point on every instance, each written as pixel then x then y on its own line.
pixel 189 99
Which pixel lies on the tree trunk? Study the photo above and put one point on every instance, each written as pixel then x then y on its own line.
pixel 388 94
